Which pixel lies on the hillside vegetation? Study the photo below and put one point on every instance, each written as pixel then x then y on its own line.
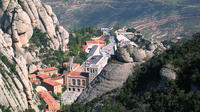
pixel 145 93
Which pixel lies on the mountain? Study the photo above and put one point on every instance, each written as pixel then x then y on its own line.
pixel 160 19
pixel 29 34
pixel 167 82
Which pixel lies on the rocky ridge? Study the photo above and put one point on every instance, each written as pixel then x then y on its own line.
pixel 18 19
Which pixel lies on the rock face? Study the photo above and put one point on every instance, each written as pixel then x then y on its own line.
pixel 131 53
pixel 113 76
pixel 123 55
pixel 18 19
pixel 168 73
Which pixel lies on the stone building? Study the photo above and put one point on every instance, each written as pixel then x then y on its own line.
pixel 53 86
pixel 76 81
pixel 58 79
pixel 94 65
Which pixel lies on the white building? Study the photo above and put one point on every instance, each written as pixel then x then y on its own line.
pixel 94 65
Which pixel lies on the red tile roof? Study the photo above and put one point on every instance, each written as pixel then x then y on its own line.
pixel 49 100
pixel 34 81
pixel 76 74
pixel 49 69
pixel 91 42
pixel 43 76
pixel 65 63
pixel 31 76
pixel 96 42
pixel 100 41
pixel 52 83
pixel 57 78
pixel 85 47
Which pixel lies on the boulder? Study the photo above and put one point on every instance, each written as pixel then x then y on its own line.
pixel 123 55
pixel 168 73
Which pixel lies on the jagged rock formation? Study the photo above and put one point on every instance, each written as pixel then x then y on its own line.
pixel 145 49
pixel 113 76
pixel 123 55
pixel 18 19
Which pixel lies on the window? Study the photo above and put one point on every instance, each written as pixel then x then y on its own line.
pixel 73 89
pixel 91 70
pixel 83 82
pixel 78 82
pixel 78 90
pixel 69 89
pixel 88 69
pixel 73 82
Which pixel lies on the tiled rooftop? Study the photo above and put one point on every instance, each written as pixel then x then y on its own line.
pixel 77 74
pixel 85 47
pixel 94 42
pixel 65 63
pixel 31 76
pixel 43 76
pixel 52 83
pixel 57 78
pixel 34 81
pixel 49 100
pixel 49 69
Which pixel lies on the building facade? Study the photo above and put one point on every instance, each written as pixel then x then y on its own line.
pixel 53 86
pixel 94 65
pixel 76 81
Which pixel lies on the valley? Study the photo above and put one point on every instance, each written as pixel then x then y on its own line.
pixel 167 19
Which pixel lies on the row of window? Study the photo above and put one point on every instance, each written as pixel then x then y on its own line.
pixel 78 82
pixel 73 89
pixel 91 70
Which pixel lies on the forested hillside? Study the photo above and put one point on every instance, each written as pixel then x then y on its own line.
pixel 152 89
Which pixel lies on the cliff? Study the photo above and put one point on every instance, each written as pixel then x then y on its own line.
pixel 19 18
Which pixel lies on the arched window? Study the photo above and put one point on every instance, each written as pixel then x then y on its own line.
pixel 83 82
pixel 78 82
pixel 73 81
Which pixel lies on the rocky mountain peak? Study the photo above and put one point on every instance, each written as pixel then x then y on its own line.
pixel 18 19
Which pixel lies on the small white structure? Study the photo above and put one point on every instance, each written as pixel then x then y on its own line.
pixel 94 65
pixel 40 88
pixel 123 40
